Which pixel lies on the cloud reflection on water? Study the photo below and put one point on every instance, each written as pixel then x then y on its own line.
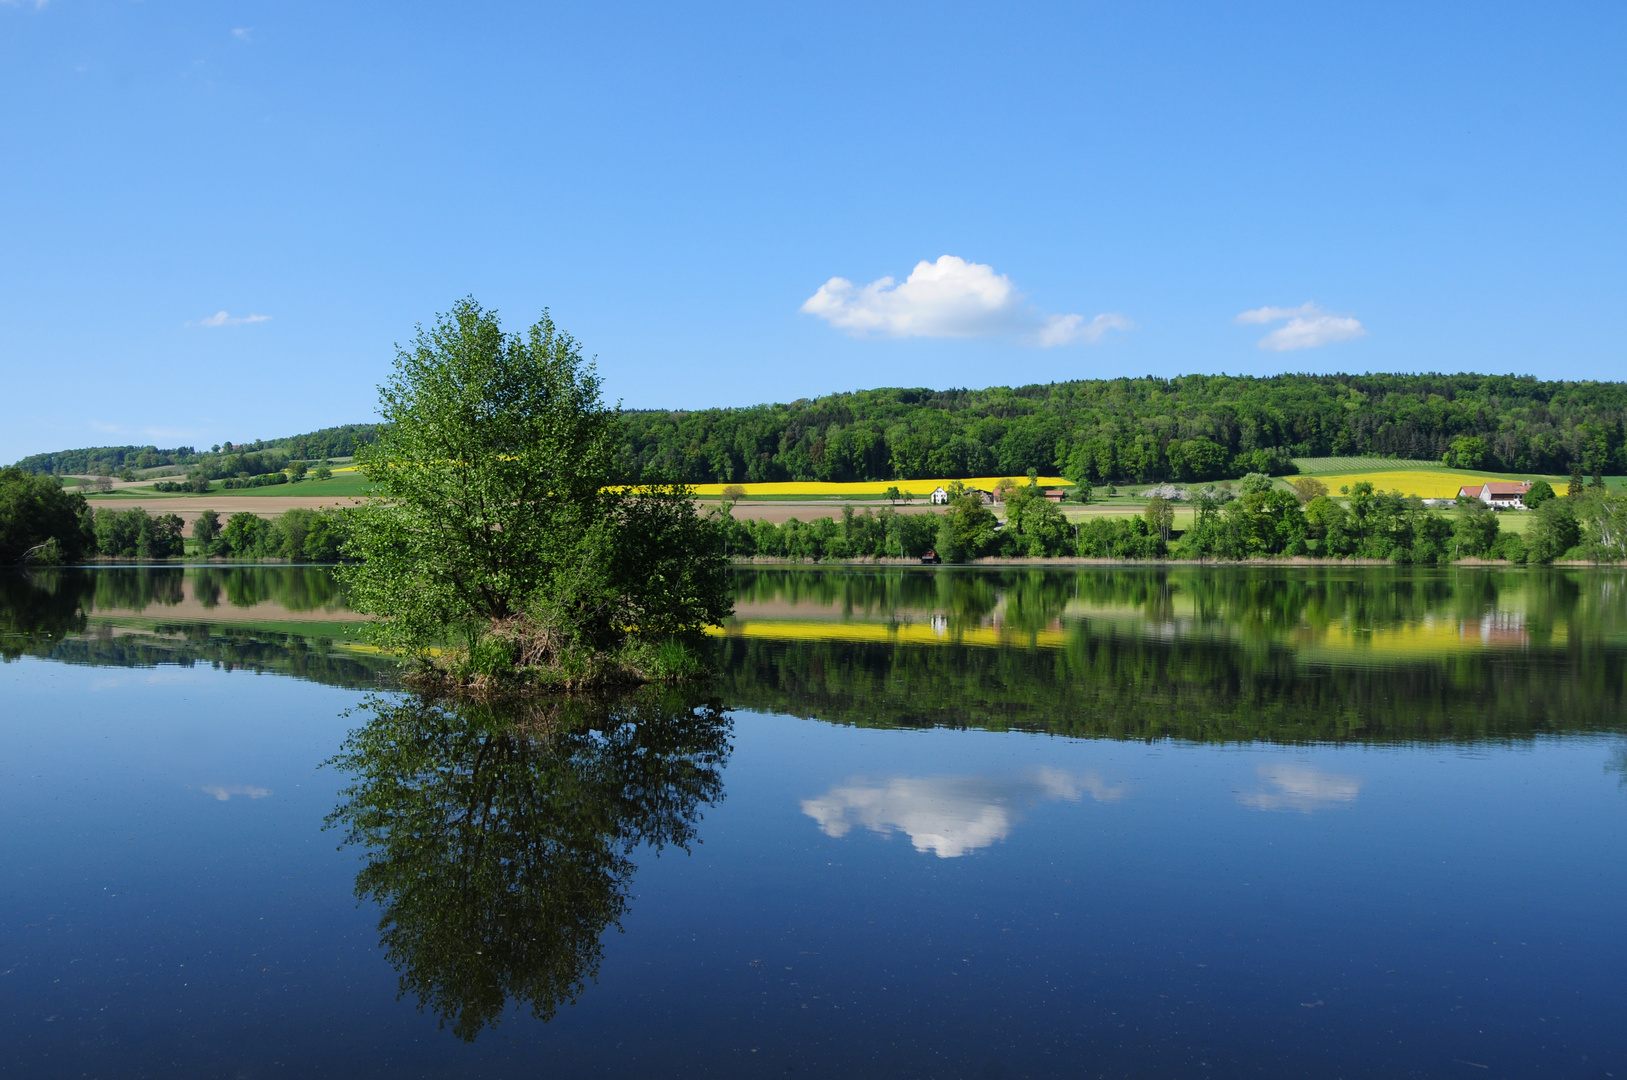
pixel 225 792
pixel 948 815
pixel 1300 788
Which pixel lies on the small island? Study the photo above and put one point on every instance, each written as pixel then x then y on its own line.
pixel 495 552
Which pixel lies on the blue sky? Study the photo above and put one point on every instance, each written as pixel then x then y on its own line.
pixel 711 197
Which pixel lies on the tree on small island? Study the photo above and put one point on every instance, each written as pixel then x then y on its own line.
pixel 496 551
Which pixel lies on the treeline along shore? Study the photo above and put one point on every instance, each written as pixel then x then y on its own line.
pixel 41 523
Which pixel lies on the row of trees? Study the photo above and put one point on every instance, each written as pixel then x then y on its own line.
pixel 1192 428
pixel 42 523
pixel 1261 521
pixel 221 460
pixel 299 534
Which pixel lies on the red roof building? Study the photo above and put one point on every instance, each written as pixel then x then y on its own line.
pixel 1505 494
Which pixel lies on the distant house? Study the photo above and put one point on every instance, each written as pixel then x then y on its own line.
pixel 1055 494
pixel 1504 494
pixel 940 497
pixel 1469 492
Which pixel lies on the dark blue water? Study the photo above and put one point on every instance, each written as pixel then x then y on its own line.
pixel 179 882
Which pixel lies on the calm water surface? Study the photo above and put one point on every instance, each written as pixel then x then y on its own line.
pixel 923 824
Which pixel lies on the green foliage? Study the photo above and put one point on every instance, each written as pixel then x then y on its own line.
pixel 1540 492
pixel 136 534
pixel 1466 452
pixel 1118 538
pixel 967 530
pixel 206 530
pixel 493 511
pixel 498 842
pixel 863 535
pixel 1188 429
pixel 300 535
pixel 1604 520
pixel 35 512
pixel 1476 531
pixel 109 460
pixel 268 479
pixel 1554 531
pixel 246 536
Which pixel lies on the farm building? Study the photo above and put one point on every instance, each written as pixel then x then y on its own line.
pixel 1504 494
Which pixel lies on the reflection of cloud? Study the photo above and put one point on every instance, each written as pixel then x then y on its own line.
pixel 1300 789
pixel 224 793
pixel 947 815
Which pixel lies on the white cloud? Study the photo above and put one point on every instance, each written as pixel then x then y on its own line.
pixel 947 815
pixel 220 318
pixel 949 298
pixel 243 33
pixel 1308 326
pixel 1062 329
pixel 1301 789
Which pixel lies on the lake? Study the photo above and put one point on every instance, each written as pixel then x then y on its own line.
pixel 1352 822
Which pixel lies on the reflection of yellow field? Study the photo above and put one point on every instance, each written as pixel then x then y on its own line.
pixel 1425 483
pixel 891 633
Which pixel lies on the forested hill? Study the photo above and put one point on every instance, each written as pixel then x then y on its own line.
pixel 1197 427
pixel 328 443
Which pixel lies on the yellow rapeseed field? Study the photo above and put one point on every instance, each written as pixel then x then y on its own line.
pixel 1425 483
pixel 919 489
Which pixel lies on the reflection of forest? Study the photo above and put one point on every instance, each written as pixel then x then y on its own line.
pixel 1377 653
pixel 1380 611
pixel 498 841
pixel 72 616
pixel 1134 687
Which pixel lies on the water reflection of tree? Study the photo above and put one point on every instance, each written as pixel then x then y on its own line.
pixel 499 840
pixel 38 607
pixel 1259 604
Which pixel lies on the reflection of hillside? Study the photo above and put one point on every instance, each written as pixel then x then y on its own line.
pixel 273 619
pixel 1122 686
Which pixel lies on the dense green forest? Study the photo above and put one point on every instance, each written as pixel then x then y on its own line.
pixel 1197 427
pixel 1191 428
pixel 226 459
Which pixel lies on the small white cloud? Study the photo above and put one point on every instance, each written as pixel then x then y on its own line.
pixel 243 33
pixel 1064 329
pixel 1308 326
pixel 1301 789
pixel 949 298
pixel 220 318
